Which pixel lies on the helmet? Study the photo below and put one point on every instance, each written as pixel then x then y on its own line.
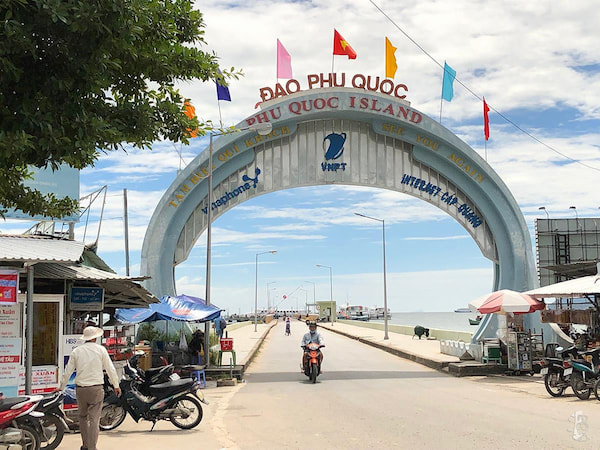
pixel 311 322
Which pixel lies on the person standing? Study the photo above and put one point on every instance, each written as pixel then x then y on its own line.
pixel 88 361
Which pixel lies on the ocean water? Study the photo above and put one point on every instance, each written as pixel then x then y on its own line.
pixel 441 320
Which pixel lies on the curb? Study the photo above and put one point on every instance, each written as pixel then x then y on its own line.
pixel 254 350
pixel 437 365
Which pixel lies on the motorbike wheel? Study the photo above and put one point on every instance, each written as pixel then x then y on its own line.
pixel 314 371
pixel 111 417
pixel 53 430
pixel 187 423
pixel 550 381
pixel 579 387
pixel 31 439
pixel 597 389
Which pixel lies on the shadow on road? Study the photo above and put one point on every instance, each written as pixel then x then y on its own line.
pixel 290 377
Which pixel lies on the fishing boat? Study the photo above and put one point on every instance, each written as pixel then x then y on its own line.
pixel 462 310
pixel 354 312
pixel 475 321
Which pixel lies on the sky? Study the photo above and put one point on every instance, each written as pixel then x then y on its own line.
pixel 537 63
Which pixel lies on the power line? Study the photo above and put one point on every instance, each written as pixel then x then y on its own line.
pixel 480 98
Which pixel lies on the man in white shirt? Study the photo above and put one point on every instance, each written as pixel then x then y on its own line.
pixel 89 360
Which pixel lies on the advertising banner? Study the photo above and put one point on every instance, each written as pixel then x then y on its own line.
pixel 44 379
pixel 10 321
pixel 87 299
pixel 10 364
pixel 9 283
pixel 69 343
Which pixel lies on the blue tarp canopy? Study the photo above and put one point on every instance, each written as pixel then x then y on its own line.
pixel 182 308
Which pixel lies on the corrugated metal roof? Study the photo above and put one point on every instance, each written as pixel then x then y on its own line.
pixel 39 248
pixel 77 272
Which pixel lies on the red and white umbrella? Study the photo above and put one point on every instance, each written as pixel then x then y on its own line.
pixel 507 301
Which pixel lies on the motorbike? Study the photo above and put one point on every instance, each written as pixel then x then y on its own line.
pixel 177 400
pixel 53 425
pixel 312 361
pixel 17 416
pixel 288 330
pixel 585 373
pixel 150 376
pixel 557 371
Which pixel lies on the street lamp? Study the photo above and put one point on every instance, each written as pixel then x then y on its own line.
pixel 330 292
pixel 543 208
pixel 305 300
pixel 263 129
pixel 256 288
pixel 385 307
pixel 314 292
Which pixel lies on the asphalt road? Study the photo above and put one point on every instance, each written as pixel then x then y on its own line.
pixel 367 398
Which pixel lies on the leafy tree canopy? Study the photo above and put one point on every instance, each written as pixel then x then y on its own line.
pixel 79 77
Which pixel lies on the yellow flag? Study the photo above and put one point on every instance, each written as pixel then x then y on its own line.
pixel 390 59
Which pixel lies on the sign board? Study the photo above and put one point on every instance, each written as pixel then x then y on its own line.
pixel 87 299
pixel 9 283
pixel 10 321
pixel 63 182
pixel 69 343
pixel 44 379
pixel 10 366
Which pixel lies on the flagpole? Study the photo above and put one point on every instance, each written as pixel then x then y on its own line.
pixel 332 59
pixel 442 93
pixel 485 146
pixel 220 118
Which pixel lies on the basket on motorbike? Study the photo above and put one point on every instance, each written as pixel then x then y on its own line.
pixel 226 344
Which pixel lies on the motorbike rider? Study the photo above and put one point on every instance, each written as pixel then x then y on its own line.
pixel 311 336
pixel 288 325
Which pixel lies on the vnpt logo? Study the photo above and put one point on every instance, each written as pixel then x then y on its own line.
pixel 333 145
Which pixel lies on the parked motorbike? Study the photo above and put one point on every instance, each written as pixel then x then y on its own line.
pixel 177 400
pixel 312 361
pixel 557 371
pixel 585 373
pixel 150 376
pixel 16 417
pixel 53 425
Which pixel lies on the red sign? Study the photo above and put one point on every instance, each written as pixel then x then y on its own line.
pixel 9 282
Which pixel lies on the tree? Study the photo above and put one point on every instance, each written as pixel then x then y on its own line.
pixel 78 78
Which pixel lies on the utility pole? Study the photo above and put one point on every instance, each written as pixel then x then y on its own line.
pixel 126 224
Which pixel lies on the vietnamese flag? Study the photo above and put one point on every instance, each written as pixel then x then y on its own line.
pixel 341 46
pixel 486 120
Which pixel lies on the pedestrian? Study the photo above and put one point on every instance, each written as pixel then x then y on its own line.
pixel 88 361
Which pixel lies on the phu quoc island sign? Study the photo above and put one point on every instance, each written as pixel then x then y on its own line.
pixel 349 136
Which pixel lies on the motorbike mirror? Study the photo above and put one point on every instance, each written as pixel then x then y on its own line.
pixel 559 349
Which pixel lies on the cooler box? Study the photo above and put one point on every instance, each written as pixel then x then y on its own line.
pixel 226 344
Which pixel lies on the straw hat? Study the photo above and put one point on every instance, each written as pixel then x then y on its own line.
pixel 90 333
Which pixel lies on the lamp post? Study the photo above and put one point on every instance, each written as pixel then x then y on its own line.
pixel 333 313
pixel 256 289
pixel 262 129
pixel 305 300
pixel 543 208
pixel 385 307
pixel 314 292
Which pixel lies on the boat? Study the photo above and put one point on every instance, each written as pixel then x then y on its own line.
pixel 475 321
pixel 354 312
pixel 462 310
pixel 380 313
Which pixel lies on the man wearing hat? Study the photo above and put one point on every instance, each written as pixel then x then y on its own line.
pixel 88 361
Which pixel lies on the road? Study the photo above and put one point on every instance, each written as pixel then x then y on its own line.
pixel 367 398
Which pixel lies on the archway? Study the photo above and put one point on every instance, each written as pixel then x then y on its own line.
pixel 370 139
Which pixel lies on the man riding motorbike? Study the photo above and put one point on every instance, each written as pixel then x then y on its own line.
pixel 311 336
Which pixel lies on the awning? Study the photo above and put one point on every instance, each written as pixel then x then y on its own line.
pixel 181 308
pixel 579 287
pixel 119 291
pixel 19 248
pixel 574 269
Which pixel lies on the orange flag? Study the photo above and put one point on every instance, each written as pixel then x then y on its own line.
pixel 341 46
pixel 190 112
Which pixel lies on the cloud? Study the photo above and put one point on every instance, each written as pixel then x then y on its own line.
pixel 436 238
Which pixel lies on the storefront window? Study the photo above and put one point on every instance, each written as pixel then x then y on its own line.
pixel 45 333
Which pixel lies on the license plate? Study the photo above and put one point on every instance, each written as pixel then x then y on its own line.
pixel 544 371
pixel 174 377
pixel 568 371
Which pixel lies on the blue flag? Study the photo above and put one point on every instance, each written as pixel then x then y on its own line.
pixel 447 89
pixel 223 92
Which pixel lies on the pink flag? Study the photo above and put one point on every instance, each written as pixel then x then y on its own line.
pixel 284 62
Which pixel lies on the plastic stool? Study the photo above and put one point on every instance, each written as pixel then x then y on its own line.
pixel 220 357
pixel 197 374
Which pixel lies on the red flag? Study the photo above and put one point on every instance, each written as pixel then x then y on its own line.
pixel 486 120
pixel 341 46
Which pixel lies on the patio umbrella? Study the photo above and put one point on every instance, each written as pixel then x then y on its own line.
pixel 507 301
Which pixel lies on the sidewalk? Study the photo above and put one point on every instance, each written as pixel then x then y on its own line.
pixel 424 351
pixel 246 341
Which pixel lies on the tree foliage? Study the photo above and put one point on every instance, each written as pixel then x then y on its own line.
pixel 80 77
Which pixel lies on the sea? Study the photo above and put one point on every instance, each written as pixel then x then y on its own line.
pixel 441 320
